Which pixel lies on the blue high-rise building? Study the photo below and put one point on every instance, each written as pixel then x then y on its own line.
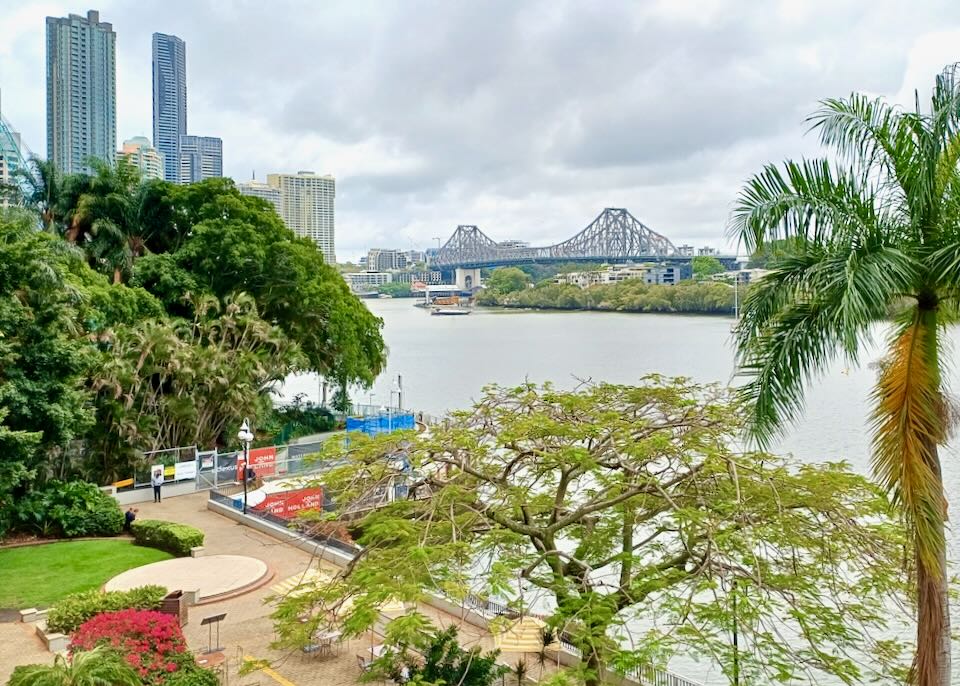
pixel 201 157
pixel 169 100
pixel 81 91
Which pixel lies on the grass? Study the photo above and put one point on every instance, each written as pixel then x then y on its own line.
pixel 40 575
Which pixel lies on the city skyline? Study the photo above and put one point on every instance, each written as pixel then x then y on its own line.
pixel 523 120
pixel 169 70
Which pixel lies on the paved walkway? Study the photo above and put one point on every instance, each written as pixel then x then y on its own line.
pixel 247 629
pixel 20 645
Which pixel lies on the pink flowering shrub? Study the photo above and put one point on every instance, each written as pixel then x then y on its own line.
pixel 151 642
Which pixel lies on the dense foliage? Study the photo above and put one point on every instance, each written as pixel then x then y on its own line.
pixel 874 228
pixel 615 507
pixel 74 610
pixel 98 667
pixel 176 539
pixel 150 642
pixel 67 510
pixel 632 295
pixel 506 280
pixel 219 296
pixel 418 655
pixel 396 289
pixel 705 266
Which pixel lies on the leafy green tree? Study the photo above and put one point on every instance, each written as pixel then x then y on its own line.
pixel 97 667
pixel 877 230
pixel 43 354
pixel 237 245
pixel 122 215
pixel 444 661
pixel 507 280
pixel 43 184
pixel 620 505
pixel 173 383
pixel 705 266
pixel 396 289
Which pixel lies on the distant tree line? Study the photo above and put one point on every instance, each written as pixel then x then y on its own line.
pixel 507 288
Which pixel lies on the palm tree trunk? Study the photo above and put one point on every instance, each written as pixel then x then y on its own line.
pixel 933 662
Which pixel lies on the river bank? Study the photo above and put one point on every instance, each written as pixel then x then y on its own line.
pixel 633 295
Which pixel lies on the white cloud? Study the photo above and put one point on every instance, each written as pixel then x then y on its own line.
pixel 525 119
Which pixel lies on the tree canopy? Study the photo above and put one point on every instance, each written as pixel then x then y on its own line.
pixel 625 518
pixel 149 315
pixel 507 280
pixel 705 266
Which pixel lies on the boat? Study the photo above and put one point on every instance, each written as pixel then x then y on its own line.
pixel 450 311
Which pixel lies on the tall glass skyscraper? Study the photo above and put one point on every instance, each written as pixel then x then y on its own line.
pixel 13 156
pixel 169 100
pixel 201 157
pixel 81 91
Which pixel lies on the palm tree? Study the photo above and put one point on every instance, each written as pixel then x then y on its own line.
pixel 97 667
pixel 110 212
pixel 873 235
pixel 39 185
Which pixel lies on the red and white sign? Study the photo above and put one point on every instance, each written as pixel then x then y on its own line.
pixel 418 286
pixel 264 461
pixel 288 503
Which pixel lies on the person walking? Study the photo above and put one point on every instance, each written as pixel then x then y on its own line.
pixel 157 481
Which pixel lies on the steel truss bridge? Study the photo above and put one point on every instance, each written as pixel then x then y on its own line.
pixel 614 236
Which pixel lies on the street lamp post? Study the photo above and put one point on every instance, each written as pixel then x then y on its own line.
pixel 245 435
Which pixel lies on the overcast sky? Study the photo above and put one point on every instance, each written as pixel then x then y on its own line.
pixel 525 118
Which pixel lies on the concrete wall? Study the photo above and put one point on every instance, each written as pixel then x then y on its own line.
pixel 145 495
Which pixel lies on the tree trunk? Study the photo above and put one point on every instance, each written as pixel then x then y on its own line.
pixel 933 661
pixel 594 669
pixel 932 665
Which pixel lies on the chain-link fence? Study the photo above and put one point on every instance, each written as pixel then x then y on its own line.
pixel 177 464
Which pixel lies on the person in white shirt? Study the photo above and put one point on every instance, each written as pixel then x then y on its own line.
pixel 157 481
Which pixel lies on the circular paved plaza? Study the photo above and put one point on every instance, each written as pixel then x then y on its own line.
pixel 213 577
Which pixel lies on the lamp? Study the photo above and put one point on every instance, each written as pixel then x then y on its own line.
pixel 245 435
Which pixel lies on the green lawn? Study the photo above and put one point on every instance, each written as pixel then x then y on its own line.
pixel 39 575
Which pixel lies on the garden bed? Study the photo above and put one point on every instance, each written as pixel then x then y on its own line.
pixel 40 575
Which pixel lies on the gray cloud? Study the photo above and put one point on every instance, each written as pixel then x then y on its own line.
pixel 529 117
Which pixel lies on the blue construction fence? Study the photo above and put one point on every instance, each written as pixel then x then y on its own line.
pixel 381 423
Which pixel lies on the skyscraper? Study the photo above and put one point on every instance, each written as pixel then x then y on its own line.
pixel 201 157
pixel 138 152
pixel 81 91
pixel 169 100
pixel 262 190
pixel 13 156
pixel 306 201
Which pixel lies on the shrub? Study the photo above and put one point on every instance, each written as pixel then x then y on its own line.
pixel 69 509
pixel 75 609
pixel 151 642
pixel 176 539
pixel 191 674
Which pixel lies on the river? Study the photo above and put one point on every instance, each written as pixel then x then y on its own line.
pixel 446 361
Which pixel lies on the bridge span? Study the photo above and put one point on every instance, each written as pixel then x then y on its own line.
pixel 614 236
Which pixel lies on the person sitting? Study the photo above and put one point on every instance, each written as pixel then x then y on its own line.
pixel 128 518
